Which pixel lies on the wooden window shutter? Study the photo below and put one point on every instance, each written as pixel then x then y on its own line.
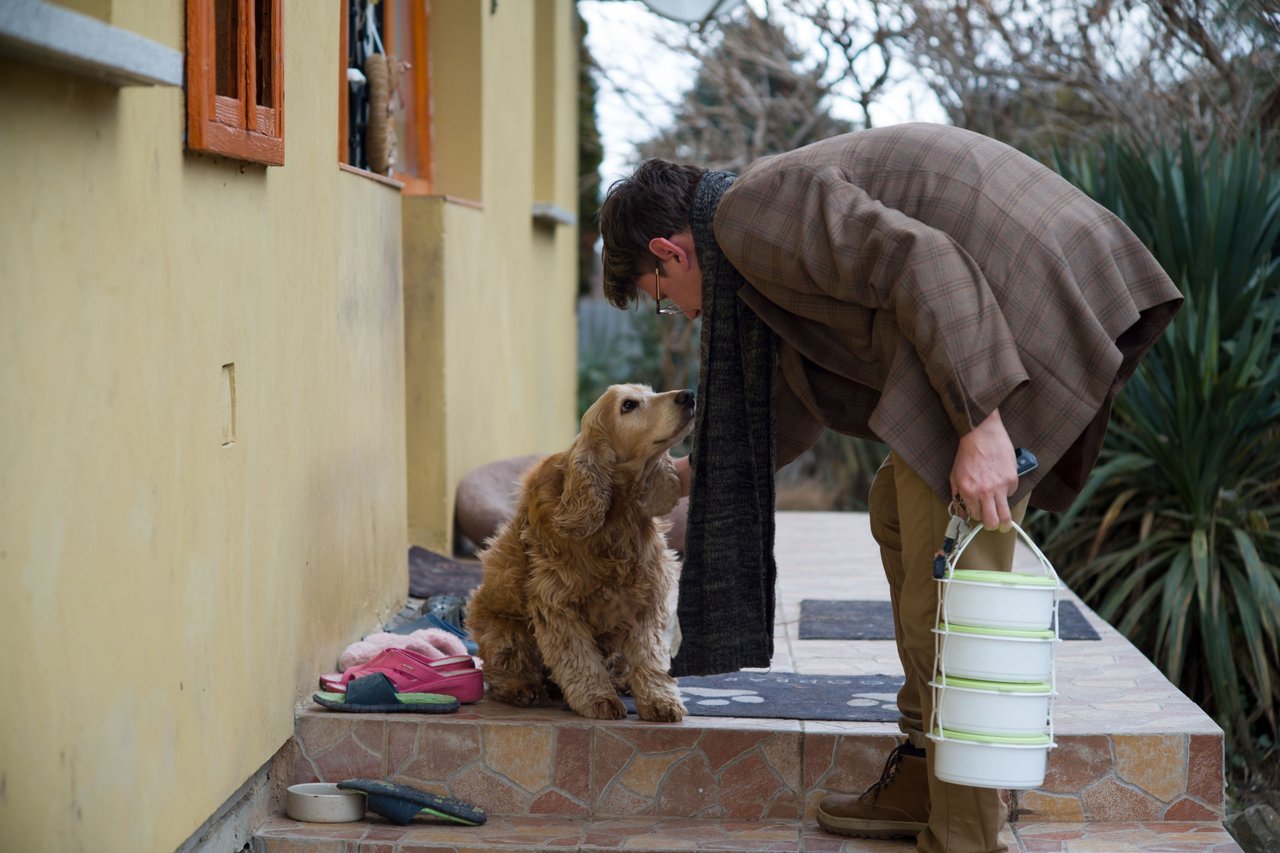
pixel 235 79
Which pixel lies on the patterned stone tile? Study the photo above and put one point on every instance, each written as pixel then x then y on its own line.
pixel 1172 837
pixel 496 795
pixel 554 802
pixel 333 747
pixel 690 789
pixel 1040 806
pixel 1077 763
pixel 1189 809
pixel 522 753
pixel 1110 800
pixel 1205 780
pixel 1157 765
pixel 675 834
pixel 512 833
pixel 845 764
pixel 572 773
pixel 814 840
pixel 434 752
pixel 751 789
pixel 730 746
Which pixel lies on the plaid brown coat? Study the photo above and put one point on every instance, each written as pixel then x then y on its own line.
pixel 919 276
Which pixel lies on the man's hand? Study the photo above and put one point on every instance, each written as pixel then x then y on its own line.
pixel 985 474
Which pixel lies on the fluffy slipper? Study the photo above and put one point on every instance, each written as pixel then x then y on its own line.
pixel 400 803
pixel 456 640
pixel 375 693
pixel 433 642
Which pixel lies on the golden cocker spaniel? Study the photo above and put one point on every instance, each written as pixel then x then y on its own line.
pixel 575 585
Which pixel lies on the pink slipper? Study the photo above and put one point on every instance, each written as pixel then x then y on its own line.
pixel 410 672
pixel 338 681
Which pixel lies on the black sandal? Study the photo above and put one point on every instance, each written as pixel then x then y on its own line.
pixel 400 803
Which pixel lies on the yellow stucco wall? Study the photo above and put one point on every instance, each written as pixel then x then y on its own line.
pixel 489 291
pixel 168 599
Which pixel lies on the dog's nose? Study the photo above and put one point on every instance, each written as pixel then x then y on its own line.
pixel 685 398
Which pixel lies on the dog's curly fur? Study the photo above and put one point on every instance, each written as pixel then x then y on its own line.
pixel 575 585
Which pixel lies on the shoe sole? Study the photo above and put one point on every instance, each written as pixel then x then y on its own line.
pixel 869 828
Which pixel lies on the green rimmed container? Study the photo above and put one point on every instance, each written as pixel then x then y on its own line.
pixel 1010 600
pixel 990 761
pixel 995 654
pixel 992 707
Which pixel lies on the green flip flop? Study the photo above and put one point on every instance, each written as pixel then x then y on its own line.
pixel 376 694
pixel 401 803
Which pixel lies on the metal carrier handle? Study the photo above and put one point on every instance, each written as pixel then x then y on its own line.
pixel 972 532
pixel 969 533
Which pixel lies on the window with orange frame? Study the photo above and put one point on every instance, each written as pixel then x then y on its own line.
pixel 393 32
pixel 235 79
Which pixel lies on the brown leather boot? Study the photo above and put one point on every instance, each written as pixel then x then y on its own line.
pixel 896 806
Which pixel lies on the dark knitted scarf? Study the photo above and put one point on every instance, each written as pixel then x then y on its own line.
pixel 726 586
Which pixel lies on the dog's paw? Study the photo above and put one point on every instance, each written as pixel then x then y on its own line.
pixel 661 709
pixel 603 708
pixel 521 695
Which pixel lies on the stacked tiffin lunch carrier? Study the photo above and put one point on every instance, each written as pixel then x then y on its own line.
pixel 993 674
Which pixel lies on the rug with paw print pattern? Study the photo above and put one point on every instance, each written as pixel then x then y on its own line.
pixel 788 695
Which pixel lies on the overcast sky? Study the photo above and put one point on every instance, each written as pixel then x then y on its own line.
pixel 627 41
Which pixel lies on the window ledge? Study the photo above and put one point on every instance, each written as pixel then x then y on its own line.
pixel 547 213
pixel 69 41
pixel 373 176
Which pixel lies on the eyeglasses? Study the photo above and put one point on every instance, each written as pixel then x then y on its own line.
pixel 664 306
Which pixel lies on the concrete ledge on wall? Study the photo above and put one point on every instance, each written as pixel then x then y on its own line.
pixel 69 41
pixel 547 213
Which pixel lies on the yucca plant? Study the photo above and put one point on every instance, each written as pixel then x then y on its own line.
pixel 1176 538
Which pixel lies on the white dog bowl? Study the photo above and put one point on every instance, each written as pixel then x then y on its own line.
pixel 323 802
pixel 1012 600
pixel 996 654
pixel 992 707
pixel 988 761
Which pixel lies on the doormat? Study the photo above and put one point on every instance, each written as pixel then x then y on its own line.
pixel 789 696
pixel 873 620
pixel 435 574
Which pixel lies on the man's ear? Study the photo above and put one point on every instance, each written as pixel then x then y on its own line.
pixel 669 248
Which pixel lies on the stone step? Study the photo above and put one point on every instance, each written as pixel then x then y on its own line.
pixel 551 833
pixel 1138 765
pixel 521 762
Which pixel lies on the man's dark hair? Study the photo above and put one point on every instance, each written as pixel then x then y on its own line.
pixel 653 202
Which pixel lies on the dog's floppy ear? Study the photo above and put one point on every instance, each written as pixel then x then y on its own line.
pixel 588 485
pixel 659 487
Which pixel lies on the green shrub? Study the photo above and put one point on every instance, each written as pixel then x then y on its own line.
pixel 1176 537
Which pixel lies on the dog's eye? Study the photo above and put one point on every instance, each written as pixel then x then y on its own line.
pixel 629 406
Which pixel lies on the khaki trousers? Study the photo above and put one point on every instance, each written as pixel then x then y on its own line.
pixel 909 521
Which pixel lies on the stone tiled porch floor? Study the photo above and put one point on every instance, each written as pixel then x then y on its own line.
pixel 1139 767
pixel 1105 685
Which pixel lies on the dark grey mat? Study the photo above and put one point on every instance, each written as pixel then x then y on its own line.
pixel 786 695
pixel 873 620
pixel 435 574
